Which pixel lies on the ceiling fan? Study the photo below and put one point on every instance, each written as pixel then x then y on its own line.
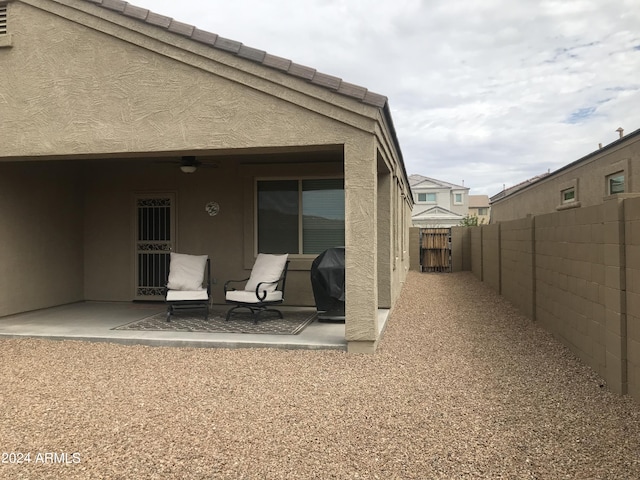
pixel 190 163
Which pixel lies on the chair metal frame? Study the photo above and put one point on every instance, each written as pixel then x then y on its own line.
pixel 261 305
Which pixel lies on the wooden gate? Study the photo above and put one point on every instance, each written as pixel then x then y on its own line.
pixel 435 249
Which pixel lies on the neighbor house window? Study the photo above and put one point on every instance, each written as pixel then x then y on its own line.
pixel 457 198
pixel 482 211
pixel 300 216
pixel 569 195
pixel 615 183
pixel 427 197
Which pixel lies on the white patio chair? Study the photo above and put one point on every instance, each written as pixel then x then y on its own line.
pixel 264 288
pixel 189 283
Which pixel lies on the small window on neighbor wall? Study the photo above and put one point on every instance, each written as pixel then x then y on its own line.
pixel 615 183
pixel 483 211
pixel 569 195
pixel 457 198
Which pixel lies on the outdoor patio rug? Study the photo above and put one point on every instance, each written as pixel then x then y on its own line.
pixel 241 322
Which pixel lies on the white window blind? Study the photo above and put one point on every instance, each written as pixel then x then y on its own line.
pixel 322 215
pixel 3 19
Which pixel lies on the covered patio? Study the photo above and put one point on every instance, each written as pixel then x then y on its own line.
pixel 163 138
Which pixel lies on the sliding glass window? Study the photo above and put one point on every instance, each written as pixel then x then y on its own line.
pixel 300 216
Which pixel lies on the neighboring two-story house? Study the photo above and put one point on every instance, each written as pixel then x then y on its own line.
pixel 437 203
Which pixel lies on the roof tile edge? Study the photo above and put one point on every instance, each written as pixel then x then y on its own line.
pixel 261 57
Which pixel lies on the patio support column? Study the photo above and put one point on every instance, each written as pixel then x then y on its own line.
pixel 361 276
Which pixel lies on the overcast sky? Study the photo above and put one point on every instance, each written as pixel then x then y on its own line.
pixel 486 93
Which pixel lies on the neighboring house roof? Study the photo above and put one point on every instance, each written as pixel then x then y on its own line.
pixel 259 56
pixel 531 181
pixel 519 186
pixel 478 201
pixel 420 181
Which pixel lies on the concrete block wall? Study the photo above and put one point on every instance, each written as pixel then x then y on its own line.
pixel 569 282
pixel 613 293
pixel 632 283
pixel 460 249
pixel 577 272
pixel 476 252
pixel 491 256
pixel 517 264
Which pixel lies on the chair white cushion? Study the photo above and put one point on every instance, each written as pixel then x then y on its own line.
pixel 181 295
pixel 246 296
pixel 267 268
pixel 186 272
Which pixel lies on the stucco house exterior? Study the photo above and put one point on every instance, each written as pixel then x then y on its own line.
pixel 102 102
pixel 437 203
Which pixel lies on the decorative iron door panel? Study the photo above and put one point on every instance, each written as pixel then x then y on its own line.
pixel 155 232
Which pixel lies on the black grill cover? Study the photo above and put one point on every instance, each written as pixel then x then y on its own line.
pixel 327 282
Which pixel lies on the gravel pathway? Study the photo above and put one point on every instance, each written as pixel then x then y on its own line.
pixel 462 387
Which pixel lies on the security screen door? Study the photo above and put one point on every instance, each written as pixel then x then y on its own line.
pixel 155 225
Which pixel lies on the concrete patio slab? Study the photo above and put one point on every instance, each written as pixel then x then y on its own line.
pixel 94 321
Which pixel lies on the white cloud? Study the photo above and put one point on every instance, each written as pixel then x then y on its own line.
pixel 490 92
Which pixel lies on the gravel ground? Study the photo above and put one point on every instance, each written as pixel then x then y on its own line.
pixel 462 387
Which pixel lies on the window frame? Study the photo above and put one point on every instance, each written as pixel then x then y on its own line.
pixel 455 200
pixel 426 197
pixel 563 195
pixel 609 180
pixel 570 185
pixel 299 179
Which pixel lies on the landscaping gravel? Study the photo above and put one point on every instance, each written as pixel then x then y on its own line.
pixel 462 386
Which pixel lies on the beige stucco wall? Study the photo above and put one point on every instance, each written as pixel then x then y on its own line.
pixel 414 249
pixel 41 240
pixel 108 95
pixel 387 211
pixel 588 177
